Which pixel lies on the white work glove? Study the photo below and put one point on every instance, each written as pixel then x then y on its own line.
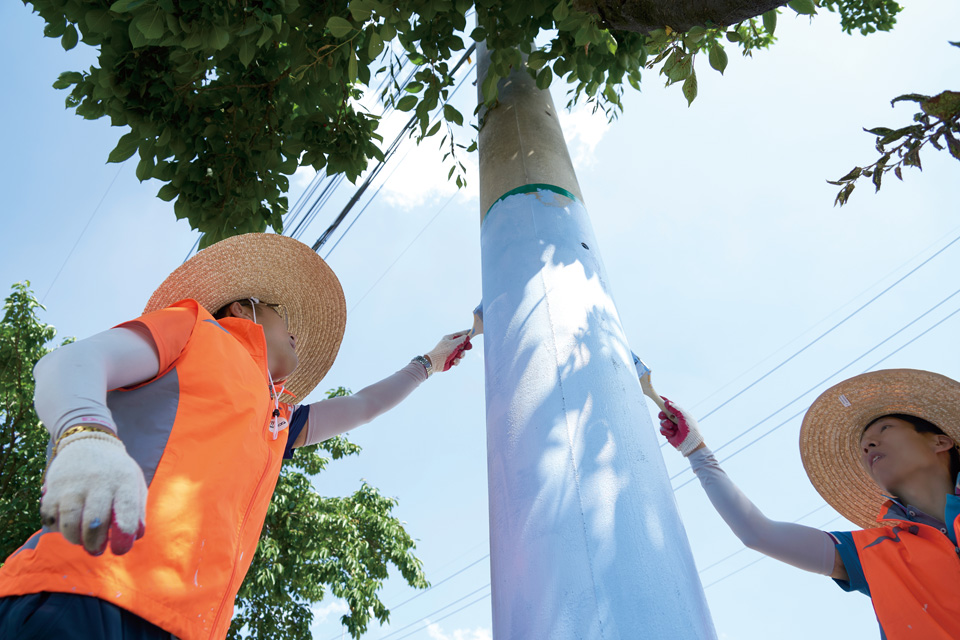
pixel 682 434
pixel 94 493
pixel 449 351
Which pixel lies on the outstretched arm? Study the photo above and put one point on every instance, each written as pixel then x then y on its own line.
pixel 798 545
pixel 334 416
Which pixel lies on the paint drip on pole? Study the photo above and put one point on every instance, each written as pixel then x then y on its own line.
pixel 586 542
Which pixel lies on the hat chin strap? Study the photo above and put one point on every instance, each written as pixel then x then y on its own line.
pixel 275 420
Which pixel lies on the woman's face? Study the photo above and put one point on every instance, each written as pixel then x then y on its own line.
pixel 281 344
pixel 892 451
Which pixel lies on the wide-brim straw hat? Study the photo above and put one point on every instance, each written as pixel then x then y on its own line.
pixel 276 270
pixel 831 430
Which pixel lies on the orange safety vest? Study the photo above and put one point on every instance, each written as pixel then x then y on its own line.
pixel 913 571
pixel 215 465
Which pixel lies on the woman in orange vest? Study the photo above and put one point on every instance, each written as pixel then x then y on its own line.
pixel 167 437
pixel 881 450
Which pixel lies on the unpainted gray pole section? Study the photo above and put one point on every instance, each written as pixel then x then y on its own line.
pixel 585 539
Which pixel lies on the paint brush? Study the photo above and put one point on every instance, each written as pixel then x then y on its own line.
pixel 643 372
pixel 477 320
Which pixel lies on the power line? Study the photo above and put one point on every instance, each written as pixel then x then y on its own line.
pixel 82 232
pixel 832 313
pixel 848 365
pixel 762 557
pixel 726 459
pixel 402 253
pixel 742 549
pixel 831 329
pixel 752 442
pixel 434 586
pixel 469 604
pixel 411 123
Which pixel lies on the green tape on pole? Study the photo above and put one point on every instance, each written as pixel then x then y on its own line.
pixel 530 188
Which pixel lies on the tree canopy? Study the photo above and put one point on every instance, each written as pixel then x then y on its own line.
pixel 24 339
pixel 225 99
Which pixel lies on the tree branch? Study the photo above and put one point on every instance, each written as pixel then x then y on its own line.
pixel 643 16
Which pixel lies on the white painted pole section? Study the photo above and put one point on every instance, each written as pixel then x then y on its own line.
pixel 586 542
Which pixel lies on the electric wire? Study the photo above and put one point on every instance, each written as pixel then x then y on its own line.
pixel 849 364
pixel 376 170
pixel 701 571
pixel 82 232
pixel 830 330
pixel 373 197
pixel 888 275
pixel 466 606
pixel 402 253
pixel 434 586
pixel 742 549
pixel 762 557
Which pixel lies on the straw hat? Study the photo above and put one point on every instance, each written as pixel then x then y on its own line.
pixel 831 430
pixel 276 270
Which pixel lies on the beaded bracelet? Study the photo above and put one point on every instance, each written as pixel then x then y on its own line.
pixel 72 431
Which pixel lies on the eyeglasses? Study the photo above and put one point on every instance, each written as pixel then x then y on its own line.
pixel 279 309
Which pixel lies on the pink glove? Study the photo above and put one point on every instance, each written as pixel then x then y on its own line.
pixel 682 434
pixel 449 351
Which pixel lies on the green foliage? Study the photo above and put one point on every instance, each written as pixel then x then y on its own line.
pixel 311 544
pixel 224 100
pixel 866 15
pixel 23 440
pixel 937 123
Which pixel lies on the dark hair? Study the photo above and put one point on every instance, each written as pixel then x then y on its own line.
pixel 921 425
pixel 225 309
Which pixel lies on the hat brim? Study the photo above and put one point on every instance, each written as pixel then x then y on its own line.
pixel 276 270
pixel 831 430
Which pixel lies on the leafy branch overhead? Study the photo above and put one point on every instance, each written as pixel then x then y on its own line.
pixel 937 123
pixel 225 100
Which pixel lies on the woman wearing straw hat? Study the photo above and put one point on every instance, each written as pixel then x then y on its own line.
pixel 174 469
pixel 881 450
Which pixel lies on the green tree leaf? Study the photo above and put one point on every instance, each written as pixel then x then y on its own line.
pixel 544 78
pixel 126 147
pixel 406 103
pixel 718 57
pixel 338 27
pixel 803 7
pixel 152 24
pixel 690 88
pixel 770 20
pixel 450 114
pixel 70 38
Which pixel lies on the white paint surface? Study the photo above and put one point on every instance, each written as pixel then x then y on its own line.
pixel 585 537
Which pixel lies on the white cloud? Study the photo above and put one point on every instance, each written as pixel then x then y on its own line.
pixel 419 173
pixel 583 129
pixel 334 608
pixel 436 632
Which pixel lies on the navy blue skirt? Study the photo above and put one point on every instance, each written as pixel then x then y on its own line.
pixel 67 616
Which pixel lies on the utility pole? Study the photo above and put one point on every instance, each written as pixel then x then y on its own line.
pixel 585 539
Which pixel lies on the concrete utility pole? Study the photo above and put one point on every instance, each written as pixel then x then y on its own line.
pixel 585 538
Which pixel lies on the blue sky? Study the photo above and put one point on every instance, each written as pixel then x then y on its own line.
pixel 723 251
